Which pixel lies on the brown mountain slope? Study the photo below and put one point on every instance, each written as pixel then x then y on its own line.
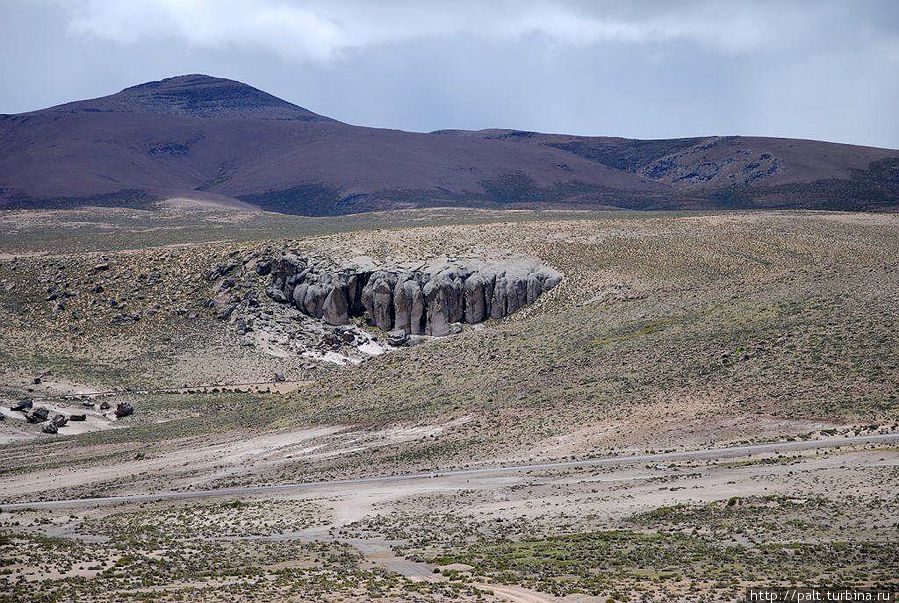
pixel 197 136
pixel 741 170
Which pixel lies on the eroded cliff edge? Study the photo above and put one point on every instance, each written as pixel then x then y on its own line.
pixel 420 299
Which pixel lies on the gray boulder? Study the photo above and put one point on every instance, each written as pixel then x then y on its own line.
pixel 276 294
pixel 123 409
pixel 38 415
pixel 263 267
pixel 397 338
pixel 23 405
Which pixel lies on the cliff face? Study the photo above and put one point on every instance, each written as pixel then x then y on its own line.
pixel 420 300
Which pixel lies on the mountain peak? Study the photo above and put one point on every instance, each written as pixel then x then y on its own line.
pixel 195 95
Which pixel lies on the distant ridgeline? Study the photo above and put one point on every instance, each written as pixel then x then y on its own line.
pixel 218 140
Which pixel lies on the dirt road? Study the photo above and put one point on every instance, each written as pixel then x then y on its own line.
pixel 710 453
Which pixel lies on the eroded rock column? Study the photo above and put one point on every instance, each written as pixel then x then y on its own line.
pixel 424 300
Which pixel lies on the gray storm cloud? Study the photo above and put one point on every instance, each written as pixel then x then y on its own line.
pixel 650 69
pixel 318 31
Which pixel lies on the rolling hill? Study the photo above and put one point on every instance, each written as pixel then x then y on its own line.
pixel 202 137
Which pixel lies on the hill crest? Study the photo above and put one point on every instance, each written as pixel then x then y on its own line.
pixel 193 95
pixel 197 136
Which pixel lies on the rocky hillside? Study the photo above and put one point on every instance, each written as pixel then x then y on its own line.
pixel 218 140
pixel 429 298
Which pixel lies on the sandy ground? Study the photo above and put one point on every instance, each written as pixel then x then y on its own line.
pixel 631 290
pixel 12 428
pixel 200 462
pixel 606 494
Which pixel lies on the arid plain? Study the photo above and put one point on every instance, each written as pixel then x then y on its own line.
pixel 705 402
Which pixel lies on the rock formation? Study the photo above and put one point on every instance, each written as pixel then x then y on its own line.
pixel 420 300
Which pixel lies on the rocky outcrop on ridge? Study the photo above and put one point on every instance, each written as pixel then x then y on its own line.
pixel 423 299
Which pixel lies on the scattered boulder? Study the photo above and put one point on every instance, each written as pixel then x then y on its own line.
pixel 81 417
pixel 331 340
pixel 251 295
pixel 125 319
pixel 397 338
pixel 104 405
pixel 280 377
pixel 276 294
pixel 38 415
pixel 50 428
pixel 123 409
pixel 263 267
pixel 59 420
pixel 242 327
pixel 23 405
pixel 222 269
pixel 225 311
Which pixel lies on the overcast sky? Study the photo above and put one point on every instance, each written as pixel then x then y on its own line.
pixel 656 69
